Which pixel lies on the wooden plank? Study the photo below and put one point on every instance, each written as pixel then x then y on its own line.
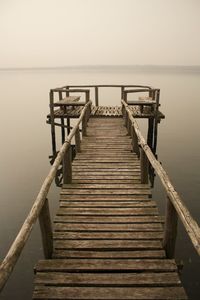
pixel 124 160
pixel 109 171
pixel 106 191
pixel 110 204
pixel 141 254
pixel 110 293
pixel 105 197
pixel 118 181
pixel 158 265
pixel 109 219
pixel 106 186
pixel 113 166
pixel 111 245
pixel 132 227
pixel 108 235
pixel 109 279
pixel 105 177
pixel 144 211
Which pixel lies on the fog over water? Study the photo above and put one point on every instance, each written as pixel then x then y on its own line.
pixel 26 144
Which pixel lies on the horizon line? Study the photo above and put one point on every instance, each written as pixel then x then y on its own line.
pixel 99 66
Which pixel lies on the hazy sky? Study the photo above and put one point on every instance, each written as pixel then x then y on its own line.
pixel 36 33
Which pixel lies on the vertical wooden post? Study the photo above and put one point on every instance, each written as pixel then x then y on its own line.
pixel 46 230
pixel 78 140
pixel 125 96
pixel 150 132
pixel 96 96
pixel 67 92
pixel 135 141
pixel 67 166
pixel 144 164
pixel 170 231
pixel 122 93
pixel 68 125
pixel 53 134
pixel 129 125
pixel 87 96
pixel 84 125
pixel 62 121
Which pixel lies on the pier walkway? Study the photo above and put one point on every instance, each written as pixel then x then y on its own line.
pixel 108 240
pixel 107 235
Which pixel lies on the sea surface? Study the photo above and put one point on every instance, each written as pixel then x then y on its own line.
pixel 26 145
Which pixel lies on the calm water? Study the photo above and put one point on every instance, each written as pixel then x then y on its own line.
pixel 25 146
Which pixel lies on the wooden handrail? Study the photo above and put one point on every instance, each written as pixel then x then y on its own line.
pixel 191 226
pixel 16 248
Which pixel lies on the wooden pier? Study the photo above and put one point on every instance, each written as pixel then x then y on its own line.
pixel 108 240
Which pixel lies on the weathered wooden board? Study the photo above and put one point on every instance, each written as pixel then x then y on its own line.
pixel 144 211
pixel 141 254
pixel 109 219
pixel 131 293
pixel 106 227
pixel 106 204
pixel 157 265
pixel 108 235
pixel 109 279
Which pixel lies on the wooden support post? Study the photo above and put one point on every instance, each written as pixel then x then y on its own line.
pixel 87 96
pixel 155 136
pixel 150 132
pixel 84 125
pixel 125 96
pixel 67 166
pixel 68 125
pixel 129 125
pixel 144 164
pixel 135 141
pixel 96 96
pixel 62 121
pixel 46 230
pixel 126 119
pixel 122 92
pixel 53 134
pixel 170 232
pixel 67 92
pixel 78 141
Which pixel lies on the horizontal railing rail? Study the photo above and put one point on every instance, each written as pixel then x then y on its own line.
pixel 40 208
pixel 175 206
pixel 81 88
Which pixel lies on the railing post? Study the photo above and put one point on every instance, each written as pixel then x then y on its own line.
pixel 125 96
pixel 144 165
pixel 96 96
pixel 129 125
pixel 84 124
pixel 67 92
pixel 46 230
pixel 53 134
pixel 78 140
pixel 67 166
pixel 122 93
pixel 170 231
pixel 135 141
pixel 62 121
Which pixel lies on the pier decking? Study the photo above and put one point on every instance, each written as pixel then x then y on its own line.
pixel 108 232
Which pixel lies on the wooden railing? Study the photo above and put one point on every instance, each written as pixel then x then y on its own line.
pixel 175 206
pixel 40 208
pixel 81 88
